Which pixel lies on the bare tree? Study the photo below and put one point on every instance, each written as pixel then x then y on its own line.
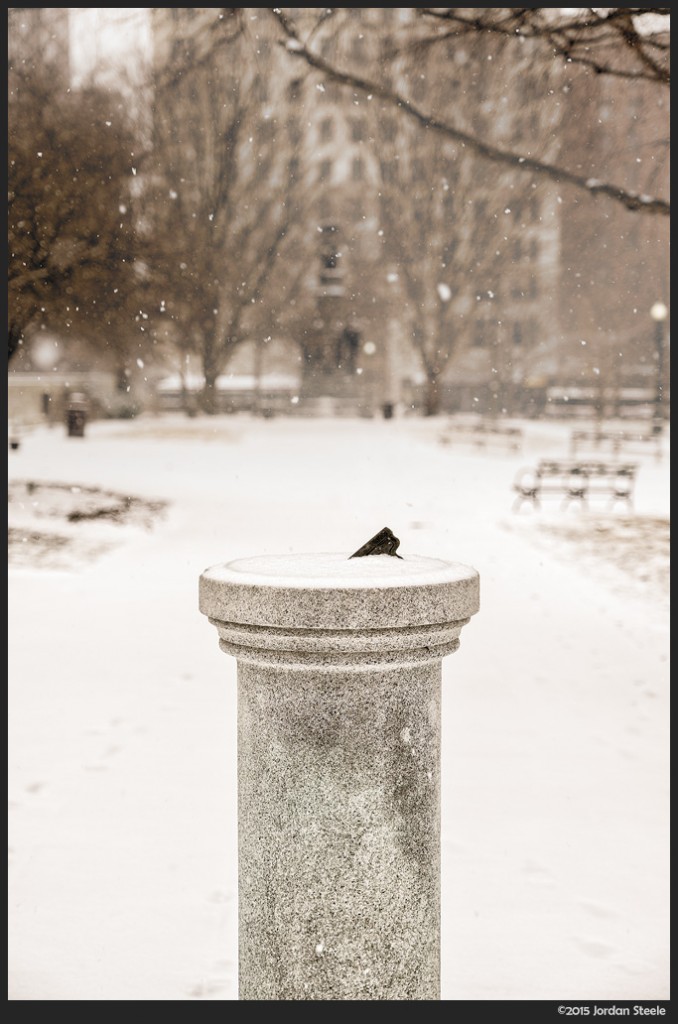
pixel 589 38
pixel 626 42
pixel 461 232
pixel 223 202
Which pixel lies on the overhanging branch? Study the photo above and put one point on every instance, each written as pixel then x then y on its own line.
pixel 633 201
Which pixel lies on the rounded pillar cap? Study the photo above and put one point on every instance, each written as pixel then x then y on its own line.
pixel 336 591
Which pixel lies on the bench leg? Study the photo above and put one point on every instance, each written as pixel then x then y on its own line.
pixel 622 497
pixel 518 503
pixel 569 498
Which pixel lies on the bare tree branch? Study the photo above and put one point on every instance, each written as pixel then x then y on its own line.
pixel 594 187
pixel 575 38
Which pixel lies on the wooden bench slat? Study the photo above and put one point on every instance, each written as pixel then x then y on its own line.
pixel 482 433
pixel 575 480
pixel 618 440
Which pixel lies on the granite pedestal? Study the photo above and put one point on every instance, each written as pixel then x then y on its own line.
pixel 339 684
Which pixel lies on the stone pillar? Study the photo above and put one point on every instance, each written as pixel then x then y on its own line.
pixel 339 673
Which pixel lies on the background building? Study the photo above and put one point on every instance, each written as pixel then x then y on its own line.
pixel 329 237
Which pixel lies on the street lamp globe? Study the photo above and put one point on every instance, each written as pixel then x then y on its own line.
pixel 659 312
pixel 45 352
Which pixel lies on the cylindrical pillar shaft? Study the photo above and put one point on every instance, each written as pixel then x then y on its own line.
pixel 339 770
pixel 339 833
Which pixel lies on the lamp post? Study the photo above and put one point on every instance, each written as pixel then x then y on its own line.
pixel 659 312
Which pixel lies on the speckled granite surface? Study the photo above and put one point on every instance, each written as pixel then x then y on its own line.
pixel 339 674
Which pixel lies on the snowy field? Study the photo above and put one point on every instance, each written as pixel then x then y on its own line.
pixel 122 737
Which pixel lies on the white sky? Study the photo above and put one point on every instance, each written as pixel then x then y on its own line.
pixel 118 37
pixel 122 759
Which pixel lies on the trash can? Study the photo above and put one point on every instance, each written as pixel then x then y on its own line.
pixel 76 415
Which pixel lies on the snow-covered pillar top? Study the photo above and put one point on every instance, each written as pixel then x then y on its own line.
pixel 286 607
pixel 339 671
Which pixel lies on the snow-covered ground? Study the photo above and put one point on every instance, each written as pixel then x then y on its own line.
pixel 122 739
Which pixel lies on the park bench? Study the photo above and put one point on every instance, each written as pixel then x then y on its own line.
pixel 575 480
pixel 615 441
pixel 483 434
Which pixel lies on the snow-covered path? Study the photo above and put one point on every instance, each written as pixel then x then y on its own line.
pixel 122 736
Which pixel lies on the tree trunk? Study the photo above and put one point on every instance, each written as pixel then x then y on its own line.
pixel 432 396
pixel 13 342
pixel 209 399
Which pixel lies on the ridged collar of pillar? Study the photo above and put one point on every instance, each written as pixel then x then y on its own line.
pixel 339 693
pixel 289 607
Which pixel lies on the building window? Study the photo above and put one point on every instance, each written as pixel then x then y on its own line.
pixel 324 170
pixel 388 172
pixel 530 331
pixel 419 87
pixel 483 333
pixel 358 130
pixel 294 89
pixel 448 251
pixel 526 288
pixel 534 249
pixel 293 168
pixel 517 333
pixel 357 168
pixel 260 89
pixel 358 48
pixel 326 129
pixel 266 131
pixel 327 90
pixel 417 170
pixel 294 131
pixel 388 129
pixel 355 208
